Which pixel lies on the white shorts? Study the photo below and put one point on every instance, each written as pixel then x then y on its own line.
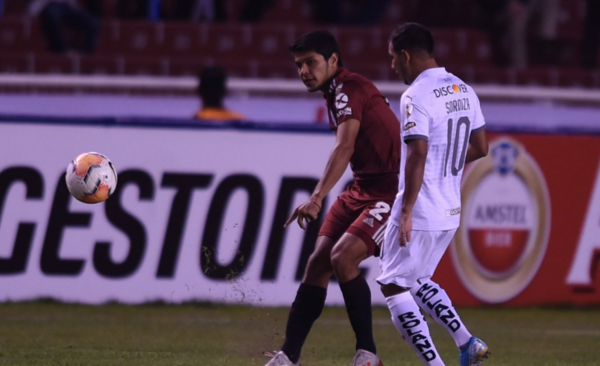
pixel 403 266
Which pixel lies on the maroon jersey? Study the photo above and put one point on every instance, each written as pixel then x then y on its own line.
pixel 376 160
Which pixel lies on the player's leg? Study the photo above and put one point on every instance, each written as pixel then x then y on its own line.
pixel 346 255
pixel 360 241
pixel 411 324
pixel 310 298
pixel 432 298
pixel 399 270
pixel 435 301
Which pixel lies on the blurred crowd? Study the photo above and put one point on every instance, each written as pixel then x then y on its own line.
pixel 512 24
pixel 339 12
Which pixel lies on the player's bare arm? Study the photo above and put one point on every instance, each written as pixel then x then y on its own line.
pixel 478 146
pixel 336 166
pixel 415 169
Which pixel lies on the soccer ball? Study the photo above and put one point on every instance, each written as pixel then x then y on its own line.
pixel 91 177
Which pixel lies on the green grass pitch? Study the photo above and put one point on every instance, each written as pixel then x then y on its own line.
pixel 43 333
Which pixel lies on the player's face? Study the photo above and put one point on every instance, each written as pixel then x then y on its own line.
pixel 314 70
pixel 399 63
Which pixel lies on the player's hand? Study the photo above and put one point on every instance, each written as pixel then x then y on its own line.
pixel 307 211
pixel 404 228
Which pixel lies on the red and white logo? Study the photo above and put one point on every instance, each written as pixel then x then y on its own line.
pixel 341 101
pixel 505 224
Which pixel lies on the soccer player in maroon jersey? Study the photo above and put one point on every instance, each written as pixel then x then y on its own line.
pixel 368 137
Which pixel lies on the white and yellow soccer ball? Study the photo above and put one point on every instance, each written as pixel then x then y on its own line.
pixel 91 177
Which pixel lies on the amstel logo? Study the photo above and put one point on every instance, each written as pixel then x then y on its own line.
pixel 505 223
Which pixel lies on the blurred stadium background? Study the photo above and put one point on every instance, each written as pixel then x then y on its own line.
pixel 198 213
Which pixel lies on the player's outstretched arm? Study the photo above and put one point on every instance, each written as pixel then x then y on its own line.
pixel 335 168
pixel 345 138
pixel 416 155
pixel 478 146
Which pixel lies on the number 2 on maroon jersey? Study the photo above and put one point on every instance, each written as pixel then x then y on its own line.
pixel 380 208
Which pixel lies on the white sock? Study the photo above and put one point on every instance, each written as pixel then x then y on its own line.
pixel 435 302
pixel 412 325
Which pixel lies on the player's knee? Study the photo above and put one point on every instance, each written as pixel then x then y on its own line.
pixel 437 287
pixel 342 260
pixel 318 262
pixel 392 290
pixel 427 289
pixel 338 259
pixel 416 287
pixel 347 254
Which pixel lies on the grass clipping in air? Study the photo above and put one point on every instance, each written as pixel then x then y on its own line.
pixel 43 333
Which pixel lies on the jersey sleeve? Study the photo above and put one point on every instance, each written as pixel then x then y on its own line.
pixel 350 102
pixel 479 122
pixel 415 121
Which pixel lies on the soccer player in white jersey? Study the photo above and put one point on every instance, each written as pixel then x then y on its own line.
pixel 442 129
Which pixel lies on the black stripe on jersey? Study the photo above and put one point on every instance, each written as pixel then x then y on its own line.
pixel 416 137
pixel 478 129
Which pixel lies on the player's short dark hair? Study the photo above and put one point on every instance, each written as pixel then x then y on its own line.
pixel 412 37
pixel 321 42
pixel 213 79
pixel 212 87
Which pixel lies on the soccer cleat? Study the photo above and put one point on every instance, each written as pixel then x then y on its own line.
pixel 474 353
pixel 366 358
pixel 279 359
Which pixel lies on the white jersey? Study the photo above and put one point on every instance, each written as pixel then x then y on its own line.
pixel 440 108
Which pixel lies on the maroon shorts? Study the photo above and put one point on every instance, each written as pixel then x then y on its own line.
pixel 366 219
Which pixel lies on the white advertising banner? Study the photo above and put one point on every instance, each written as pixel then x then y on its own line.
pixel 197 215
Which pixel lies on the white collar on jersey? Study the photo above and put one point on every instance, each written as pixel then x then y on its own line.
pixel 430 72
